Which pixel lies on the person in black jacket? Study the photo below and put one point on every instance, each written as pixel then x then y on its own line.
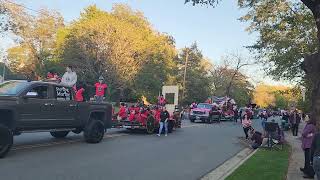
pixel 164 117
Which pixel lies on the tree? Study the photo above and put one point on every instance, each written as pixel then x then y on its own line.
pixel 240 89
pixel 276 96
pixel 120 45
pixel 287 17
pixel 239 62
pixel 34 35
pixel 198 81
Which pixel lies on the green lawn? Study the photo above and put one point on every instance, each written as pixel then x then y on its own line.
pixel 264 165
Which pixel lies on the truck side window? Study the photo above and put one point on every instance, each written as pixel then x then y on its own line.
pixel 63 93
pixel 42 92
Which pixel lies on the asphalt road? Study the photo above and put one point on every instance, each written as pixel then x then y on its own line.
pixel 188 153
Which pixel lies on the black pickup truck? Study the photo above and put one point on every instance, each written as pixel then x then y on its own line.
pixel 38 106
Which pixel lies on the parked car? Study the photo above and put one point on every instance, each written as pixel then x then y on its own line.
pixel 36 106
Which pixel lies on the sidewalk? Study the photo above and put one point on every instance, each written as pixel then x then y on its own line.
pixel 297 156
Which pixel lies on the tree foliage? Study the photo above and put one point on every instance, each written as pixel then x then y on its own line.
pixel 120 45
pixel 199 84
pixel 240 89
pixel 276 96
pixel 34 37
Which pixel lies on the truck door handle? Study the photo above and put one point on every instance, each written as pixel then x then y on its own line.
pixel 72 105
pixel 48 104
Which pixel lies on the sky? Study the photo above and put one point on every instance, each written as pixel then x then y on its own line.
pixel 217 31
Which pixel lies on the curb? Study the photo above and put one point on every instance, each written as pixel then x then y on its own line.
pixel 229 166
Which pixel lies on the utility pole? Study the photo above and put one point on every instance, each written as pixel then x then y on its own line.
pixel 185 73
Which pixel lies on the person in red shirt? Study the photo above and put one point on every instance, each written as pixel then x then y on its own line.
pixel 79 93
pixel 122 114
pixel 131 108
pixel 137 109
pixel 161 101
pixel 100 90
pixel 132 115
pixel 157 114
pixel 50 75
pixel 143 115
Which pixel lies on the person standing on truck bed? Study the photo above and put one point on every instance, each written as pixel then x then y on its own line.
pixel 100 90
pixel 69 78
pixel 164 117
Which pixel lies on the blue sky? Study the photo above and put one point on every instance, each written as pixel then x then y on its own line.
pixel 216 30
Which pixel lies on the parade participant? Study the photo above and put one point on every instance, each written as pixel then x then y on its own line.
pixel 69 78
pixel 122 114
pixel 157 114
pixel 246 124
pixel 161 101
pixel 164 117
pixel 137 108
pixel 50 75
pixel 132 115
pixel 100 90
pixel 79 94
pixel 131 108
pixel 142 116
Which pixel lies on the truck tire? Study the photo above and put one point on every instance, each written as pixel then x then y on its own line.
pixel 150 125
pixel 59 134
pixel 77 131
pixel 94 131
pixel 6 141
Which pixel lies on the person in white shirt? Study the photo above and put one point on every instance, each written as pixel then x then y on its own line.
pixel 69 78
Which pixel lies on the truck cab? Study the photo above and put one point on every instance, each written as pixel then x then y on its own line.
pixel 36 106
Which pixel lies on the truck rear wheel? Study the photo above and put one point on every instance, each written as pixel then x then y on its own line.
pixel 59 134
pixel 150 126
pixel 6 141
pixel 94 131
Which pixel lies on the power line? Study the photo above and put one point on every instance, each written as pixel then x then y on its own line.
pixel 36 11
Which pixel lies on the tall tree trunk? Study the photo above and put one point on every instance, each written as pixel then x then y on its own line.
pixel 311 66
